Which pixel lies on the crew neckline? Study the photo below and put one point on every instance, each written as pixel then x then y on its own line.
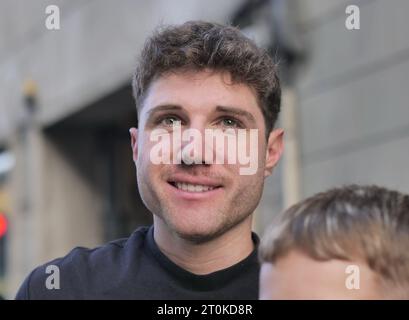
pixel 211 281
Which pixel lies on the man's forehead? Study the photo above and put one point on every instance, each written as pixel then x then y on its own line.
pixel 202 90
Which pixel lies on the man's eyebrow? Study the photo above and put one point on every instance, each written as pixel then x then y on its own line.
pixel 165 107
pixel 237 112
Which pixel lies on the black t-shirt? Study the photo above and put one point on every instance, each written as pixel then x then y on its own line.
pixel 135 268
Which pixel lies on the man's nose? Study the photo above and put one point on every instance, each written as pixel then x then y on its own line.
pixel 194 147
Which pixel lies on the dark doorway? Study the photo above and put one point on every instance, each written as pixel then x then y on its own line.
pixel 96 141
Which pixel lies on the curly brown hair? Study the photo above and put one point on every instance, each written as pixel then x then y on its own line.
pixel 198 45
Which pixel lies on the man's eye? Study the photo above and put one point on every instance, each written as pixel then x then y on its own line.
pixel 230 123
pixel 170 121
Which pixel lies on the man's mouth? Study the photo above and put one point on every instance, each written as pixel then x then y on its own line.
pixel 192 187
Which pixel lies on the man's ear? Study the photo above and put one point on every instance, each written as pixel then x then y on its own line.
pixel 134 143
pixel 274 150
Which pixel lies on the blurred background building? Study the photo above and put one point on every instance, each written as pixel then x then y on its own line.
pixel 66 172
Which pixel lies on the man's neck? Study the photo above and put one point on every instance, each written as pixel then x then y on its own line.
pixel 217 254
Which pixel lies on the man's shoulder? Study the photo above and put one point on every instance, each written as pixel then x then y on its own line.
pixel 82 269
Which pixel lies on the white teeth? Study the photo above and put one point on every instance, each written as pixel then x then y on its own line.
pixel 192 187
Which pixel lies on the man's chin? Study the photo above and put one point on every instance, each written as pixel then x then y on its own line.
pixel 200 235
pixel 195 231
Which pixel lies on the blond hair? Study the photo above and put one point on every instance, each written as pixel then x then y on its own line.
pixel 366 223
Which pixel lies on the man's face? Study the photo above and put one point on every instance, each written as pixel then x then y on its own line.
pixel 200 201
pixel 297 276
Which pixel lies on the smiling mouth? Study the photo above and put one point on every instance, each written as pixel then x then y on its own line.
pixel 194 188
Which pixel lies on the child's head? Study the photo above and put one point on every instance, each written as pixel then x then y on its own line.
pixel 346 243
